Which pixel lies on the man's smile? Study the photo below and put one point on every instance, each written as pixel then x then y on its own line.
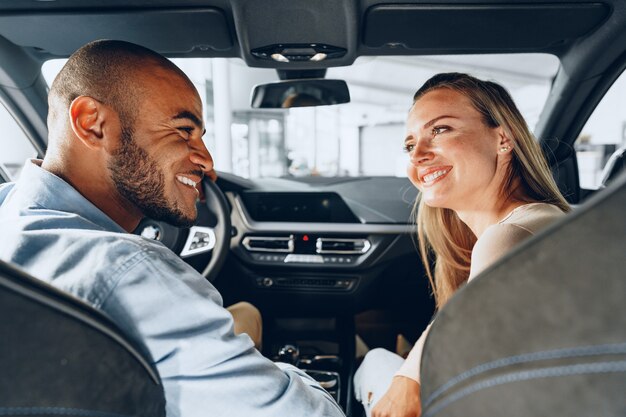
pixel 187 181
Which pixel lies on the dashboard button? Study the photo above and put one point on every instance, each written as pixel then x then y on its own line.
pixel 297 258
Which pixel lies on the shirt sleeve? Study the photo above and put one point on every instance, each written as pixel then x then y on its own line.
pixel 412 365
pixel 494 243
pixel 206 369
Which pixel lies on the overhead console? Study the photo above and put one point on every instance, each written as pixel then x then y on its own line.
pixel 297 207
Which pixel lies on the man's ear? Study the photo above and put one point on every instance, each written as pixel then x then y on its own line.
pixel 87 117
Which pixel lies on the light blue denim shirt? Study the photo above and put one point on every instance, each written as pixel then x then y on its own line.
pixel 55 234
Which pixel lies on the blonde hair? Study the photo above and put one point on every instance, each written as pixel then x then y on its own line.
pixel 442 237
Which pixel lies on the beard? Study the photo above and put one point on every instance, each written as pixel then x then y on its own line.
pixel 138 179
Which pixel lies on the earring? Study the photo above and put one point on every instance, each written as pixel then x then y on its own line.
pixel 505 148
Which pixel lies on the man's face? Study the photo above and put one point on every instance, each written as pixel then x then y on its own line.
pixel 161 157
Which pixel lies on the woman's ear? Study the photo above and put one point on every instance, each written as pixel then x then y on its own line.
pixel 87 117
pixel 505 144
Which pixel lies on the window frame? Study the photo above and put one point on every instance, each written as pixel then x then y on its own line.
pixel 602 87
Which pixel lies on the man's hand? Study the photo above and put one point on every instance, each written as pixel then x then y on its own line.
pixel 402 399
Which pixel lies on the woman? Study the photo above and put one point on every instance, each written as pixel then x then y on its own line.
pixel 484 187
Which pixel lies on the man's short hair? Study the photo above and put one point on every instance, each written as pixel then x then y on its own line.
pixel 104 70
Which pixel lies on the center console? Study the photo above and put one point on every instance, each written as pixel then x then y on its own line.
pixel 325 350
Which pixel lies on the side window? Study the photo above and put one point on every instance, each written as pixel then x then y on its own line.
pixel 603 134
pixel 15 148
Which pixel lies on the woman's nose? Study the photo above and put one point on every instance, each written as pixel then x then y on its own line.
pixel 421 152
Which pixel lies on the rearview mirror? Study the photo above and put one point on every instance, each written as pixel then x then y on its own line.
pixel 299 93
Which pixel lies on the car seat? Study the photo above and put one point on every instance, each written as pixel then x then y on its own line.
pixel 59 356
pixel 541 332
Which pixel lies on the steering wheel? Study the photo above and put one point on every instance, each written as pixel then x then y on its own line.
pixel 204 245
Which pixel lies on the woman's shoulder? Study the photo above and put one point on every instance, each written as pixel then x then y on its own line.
pixel 519 225
pixel 532 217
pixel 494 242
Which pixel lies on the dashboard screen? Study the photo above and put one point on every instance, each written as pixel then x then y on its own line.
pixel 298 207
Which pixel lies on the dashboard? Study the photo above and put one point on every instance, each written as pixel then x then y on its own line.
pixel 323 245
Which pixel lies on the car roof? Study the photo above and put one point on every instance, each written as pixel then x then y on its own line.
pixel 235 28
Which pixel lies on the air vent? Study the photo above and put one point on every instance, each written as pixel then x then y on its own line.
pixel 342 246
pixel 268 244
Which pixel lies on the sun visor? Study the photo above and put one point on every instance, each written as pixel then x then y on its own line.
pixel 61 33
pixel 480 28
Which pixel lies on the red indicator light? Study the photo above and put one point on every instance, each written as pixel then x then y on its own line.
pixel 305 238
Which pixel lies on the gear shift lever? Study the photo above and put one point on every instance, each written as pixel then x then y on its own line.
pixel 289 354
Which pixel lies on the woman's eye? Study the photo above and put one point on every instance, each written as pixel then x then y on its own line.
pixel 408 147
pixel 437 130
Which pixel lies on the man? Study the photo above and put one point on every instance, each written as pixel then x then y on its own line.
pixel 125 141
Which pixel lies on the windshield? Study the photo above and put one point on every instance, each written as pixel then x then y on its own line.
pixel 360 138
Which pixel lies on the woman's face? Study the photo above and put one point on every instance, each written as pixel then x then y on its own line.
pixel 456 160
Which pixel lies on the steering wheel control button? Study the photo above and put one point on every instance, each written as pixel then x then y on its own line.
pixel 151 232
pixel 200 240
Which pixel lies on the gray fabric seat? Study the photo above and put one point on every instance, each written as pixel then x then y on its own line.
pixel 543 331
pixel 59 356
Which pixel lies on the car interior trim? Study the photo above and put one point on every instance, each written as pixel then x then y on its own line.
pixel 408 25
pixel 137 26
pixel 359 246
pixel 255 244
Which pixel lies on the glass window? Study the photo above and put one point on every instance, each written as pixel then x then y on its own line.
pixel 360 138
pixel 15 148
pixel 603 134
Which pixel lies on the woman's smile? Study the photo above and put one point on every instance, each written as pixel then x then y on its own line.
pixel 430 176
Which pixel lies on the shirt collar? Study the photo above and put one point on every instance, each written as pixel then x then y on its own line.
pixel 42 188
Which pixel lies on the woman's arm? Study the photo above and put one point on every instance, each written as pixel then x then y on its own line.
pixel 494 243
pixel 402 399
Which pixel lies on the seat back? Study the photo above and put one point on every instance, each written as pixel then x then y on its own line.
pixel 59 356
pixel 543 331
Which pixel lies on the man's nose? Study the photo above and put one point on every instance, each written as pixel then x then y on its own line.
pixel 200 155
